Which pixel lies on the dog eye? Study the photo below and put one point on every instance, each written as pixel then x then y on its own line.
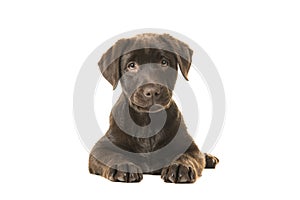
pixel 164 62
pixel 131 65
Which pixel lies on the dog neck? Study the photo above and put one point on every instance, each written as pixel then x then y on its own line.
pixel 128 119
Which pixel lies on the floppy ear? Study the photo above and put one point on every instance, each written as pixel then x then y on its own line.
pixel 185 62
pixel 109 63
pixel 183 54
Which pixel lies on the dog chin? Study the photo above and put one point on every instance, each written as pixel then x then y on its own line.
pixel 150 109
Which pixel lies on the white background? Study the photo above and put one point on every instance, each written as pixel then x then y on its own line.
pixel 254 44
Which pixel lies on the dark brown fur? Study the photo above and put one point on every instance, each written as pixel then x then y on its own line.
pixel 119 156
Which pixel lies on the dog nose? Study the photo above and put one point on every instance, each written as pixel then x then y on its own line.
pixel 151 90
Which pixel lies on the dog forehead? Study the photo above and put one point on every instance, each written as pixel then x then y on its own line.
pixel 148 38
pixel 145 55
pixel 149 41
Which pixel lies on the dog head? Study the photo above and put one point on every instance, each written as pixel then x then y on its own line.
pixel 146 66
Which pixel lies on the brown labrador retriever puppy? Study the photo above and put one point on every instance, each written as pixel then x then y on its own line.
pixel 147 134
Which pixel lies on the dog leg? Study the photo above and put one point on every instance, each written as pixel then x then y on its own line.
pixel 187 168
pixel 113 165
pixel 122 172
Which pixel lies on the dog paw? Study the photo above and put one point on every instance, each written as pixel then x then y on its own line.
pixel 125 172
pixel 211 161
pixel 178 173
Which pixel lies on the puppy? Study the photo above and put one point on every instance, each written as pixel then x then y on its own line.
pixel 147 133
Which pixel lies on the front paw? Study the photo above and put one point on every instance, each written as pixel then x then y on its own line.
pixel 125 172
pixel 179 173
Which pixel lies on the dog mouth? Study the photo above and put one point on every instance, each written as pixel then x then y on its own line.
pixel 153 108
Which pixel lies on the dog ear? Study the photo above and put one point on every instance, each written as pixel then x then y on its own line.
pixel 183 54
pixel 185 62
pixel 109 63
